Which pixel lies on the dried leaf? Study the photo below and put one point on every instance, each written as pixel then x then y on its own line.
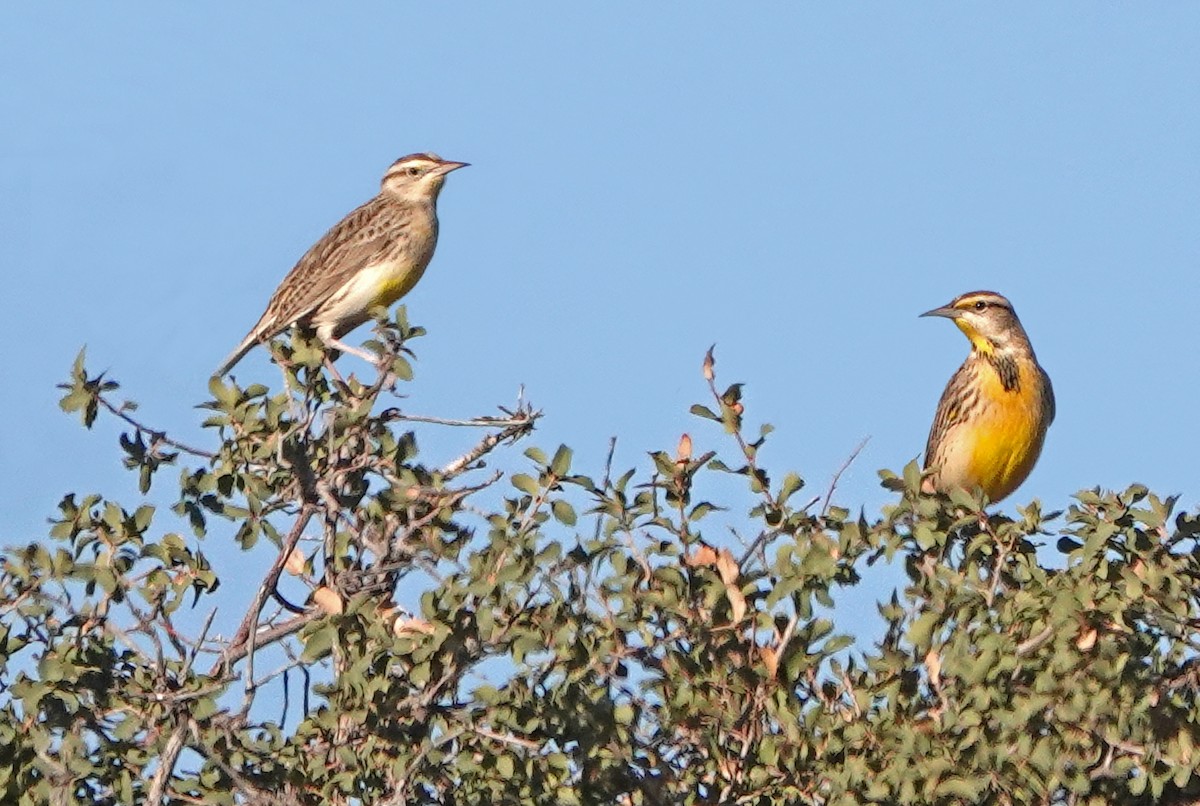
pixel 770 659
pixel 727 567
pixel 737 602
pixel 1086 640
pixel 683 452
pixel 295 563
pixel 933 665
pixel 328 600
pixel 412 626
pixel 705 555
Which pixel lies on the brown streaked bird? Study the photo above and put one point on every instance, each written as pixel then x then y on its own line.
pixel 373 256
pixel 993 416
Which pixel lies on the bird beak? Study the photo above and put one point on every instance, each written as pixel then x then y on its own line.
pixel 447 167
pixel 945 311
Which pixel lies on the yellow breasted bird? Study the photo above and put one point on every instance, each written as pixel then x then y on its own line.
pixel 992 418
pixel 373 256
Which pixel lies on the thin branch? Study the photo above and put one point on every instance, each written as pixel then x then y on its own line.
pixel 998 567
pixel 239 650
pixel 838 475
pixel 191 659
pixel 520 428
pixel 1031 644
pixel 245 637
pixel 166 766
pixel 747 452
pixel 156 436
pixel 506 738
pixel 759 543
pixel 394 415
pixel 606 483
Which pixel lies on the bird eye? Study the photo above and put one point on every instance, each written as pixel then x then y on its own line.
pixel 981 306
pixel 413 170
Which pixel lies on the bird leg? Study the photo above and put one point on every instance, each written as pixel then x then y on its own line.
pixel 338 344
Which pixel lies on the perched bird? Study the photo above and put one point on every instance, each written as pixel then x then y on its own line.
pixel 992 418
pixel 373 256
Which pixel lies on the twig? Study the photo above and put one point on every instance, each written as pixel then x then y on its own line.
pixel 247 631
pixel 998 566
pixel 401 785
pixel 763 538
pixel 506 738
pixel 1031 644
pixel 520 428
pixel 187 666
pixel 606 483
pixel 749 455
pixel 838 475
pixel 155 435
pixel 394 414
pixel 239 650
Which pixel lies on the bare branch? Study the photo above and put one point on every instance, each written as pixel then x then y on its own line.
pixel 155 435
pixel 521 426
pixel 838 475
pixel 1033 643
pixel 166 766
pixel 244 640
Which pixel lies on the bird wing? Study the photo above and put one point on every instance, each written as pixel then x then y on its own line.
pixel 1047 395
pixel 365 236
pixel 958 397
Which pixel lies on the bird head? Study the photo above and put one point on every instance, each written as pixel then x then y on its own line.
pixel 418 177
pixel 987 319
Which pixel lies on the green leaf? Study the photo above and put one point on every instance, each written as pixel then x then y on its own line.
pixel 562 461
pixel 791 483
pixel 921 632
pixel 563 512
pixel 525 483
pixel 51 669
pixel 319 642
pixel 401 368
pixel 912 476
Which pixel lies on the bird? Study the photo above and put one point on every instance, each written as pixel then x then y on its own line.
pixel 992 418
pixel 373 256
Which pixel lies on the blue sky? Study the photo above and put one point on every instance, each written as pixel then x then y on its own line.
pixel 793 183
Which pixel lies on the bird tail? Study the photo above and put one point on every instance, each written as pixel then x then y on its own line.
pixel 247 344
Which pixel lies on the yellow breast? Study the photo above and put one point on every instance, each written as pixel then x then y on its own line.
pixel 1005 437
pixel 380 284
pixel 394 285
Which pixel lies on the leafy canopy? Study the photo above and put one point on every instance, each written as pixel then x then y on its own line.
pixel 425 633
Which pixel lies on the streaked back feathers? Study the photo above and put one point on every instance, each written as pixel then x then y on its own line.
pixel 373 256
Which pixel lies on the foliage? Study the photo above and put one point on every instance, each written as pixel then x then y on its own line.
pixel 578 639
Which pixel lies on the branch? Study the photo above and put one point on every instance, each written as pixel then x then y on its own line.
pixel 166 766
pixel 522 424
pixel 155 435
pixel 838 475
pixel 239 650
pixel 245 638
pixel 394 415
pixel 735 426
pixel 1031 644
